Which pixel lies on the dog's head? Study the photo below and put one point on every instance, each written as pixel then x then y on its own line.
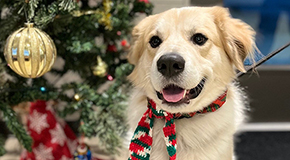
pixel 185 58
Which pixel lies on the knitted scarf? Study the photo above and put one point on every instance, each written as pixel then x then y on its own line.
pixel 141 141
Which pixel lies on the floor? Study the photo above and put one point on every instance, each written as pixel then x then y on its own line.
pixel 263 146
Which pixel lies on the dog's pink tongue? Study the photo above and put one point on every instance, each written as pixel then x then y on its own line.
pixel 173 93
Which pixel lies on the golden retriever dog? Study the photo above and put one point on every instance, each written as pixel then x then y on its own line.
pixel 184 60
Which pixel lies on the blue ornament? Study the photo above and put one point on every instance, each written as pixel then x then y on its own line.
pixel 42 89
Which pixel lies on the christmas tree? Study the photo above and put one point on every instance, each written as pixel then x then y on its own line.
pixel 91 37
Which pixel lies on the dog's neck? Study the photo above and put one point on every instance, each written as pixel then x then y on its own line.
pixel 141 142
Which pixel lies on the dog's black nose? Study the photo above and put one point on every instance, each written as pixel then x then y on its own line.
pixel 170 64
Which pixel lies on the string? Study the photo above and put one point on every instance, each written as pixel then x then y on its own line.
pixel 264 59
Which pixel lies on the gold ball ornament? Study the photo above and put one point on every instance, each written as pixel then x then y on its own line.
pixel 30 52
pixel 101 68
pixel 77 97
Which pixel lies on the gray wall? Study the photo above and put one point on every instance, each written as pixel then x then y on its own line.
pixel 269 94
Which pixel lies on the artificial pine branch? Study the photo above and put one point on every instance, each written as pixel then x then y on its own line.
pixel 15 127
pixel 2 143
pixel 75 39
pixel 67 5
pixel 103 115
pixel 31 7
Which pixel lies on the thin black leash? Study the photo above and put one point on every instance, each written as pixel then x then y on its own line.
pixel 264 59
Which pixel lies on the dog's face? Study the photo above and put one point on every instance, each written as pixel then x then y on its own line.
pixel 185 58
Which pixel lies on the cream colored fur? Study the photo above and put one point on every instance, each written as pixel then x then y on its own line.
pixel 205 136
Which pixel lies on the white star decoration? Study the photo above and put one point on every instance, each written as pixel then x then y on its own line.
pixel 38 121
pixel 43 153
pixel 57 135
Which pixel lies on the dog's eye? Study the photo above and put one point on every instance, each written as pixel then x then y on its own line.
pixel 155 41
pixel 199 39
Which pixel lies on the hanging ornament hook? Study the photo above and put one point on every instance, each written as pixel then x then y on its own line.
pixel 25 10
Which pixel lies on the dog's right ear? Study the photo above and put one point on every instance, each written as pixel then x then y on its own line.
pixel 138 37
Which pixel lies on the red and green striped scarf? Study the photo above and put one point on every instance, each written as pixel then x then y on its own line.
pixel 141 142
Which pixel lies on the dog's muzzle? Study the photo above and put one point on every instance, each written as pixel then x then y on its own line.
pixel 170 66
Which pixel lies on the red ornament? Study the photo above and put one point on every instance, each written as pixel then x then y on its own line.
pixel 145 1
pixel 124 43
pixel 112 48
pixel 119 33
pixel 109 77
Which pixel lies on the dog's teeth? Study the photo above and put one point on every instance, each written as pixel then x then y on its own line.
pixel 184 93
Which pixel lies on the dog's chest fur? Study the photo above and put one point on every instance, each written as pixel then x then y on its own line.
pixel 206 136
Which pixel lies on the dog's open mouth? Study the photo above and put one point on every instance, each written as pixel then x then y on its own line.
pixel 175 95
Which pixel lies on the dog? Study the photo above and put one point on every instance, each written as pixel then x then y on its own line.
pixel 185 59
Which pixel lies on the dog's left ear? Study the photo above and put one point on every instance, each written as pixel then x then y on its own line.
pixel 237 37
